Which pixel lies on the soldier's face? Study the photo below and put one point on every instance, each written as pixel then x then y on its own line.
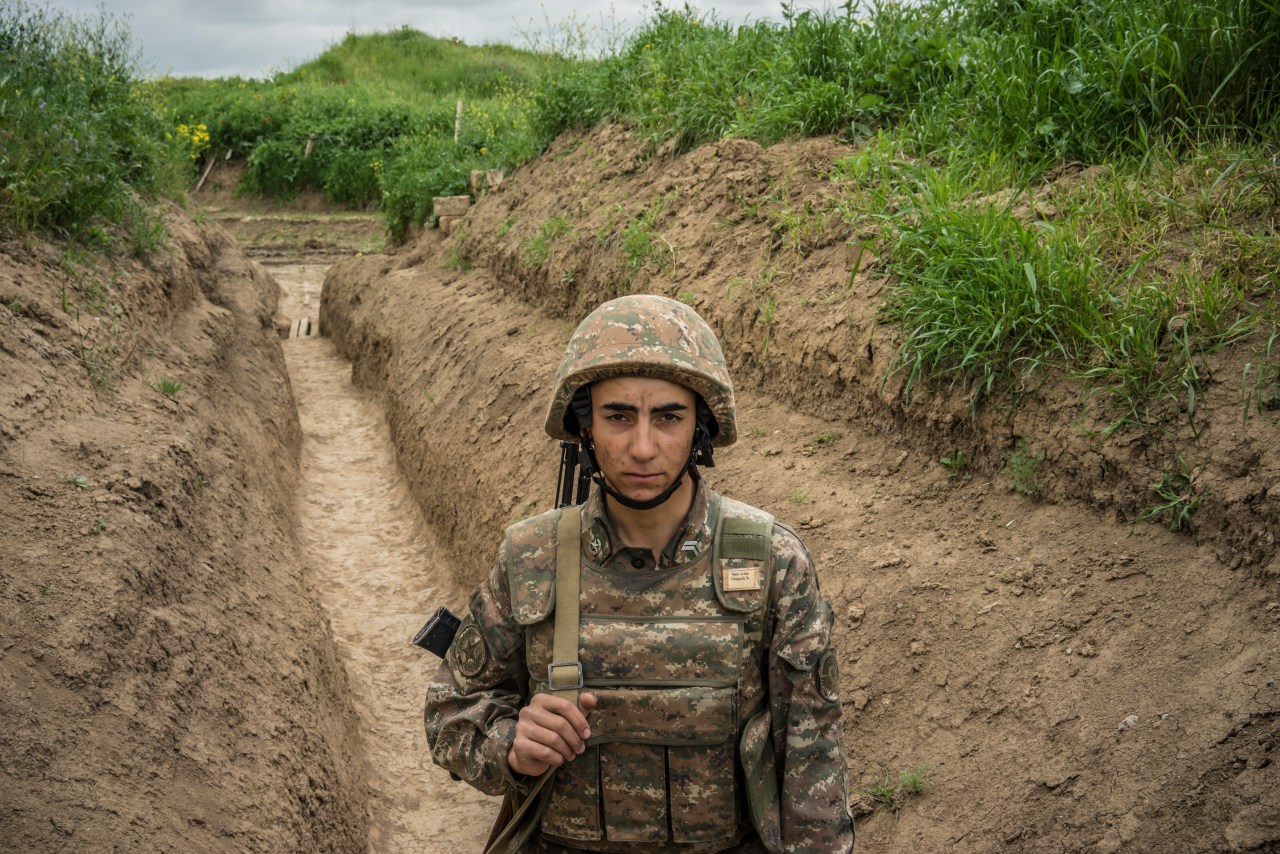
pixel 642 429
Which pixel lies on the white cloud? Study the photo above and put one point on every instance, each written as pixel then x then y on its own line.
pixel 256 37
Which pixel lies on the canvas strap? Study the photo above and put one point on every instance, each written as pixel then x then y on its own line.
pixel 564 679
pixel 564 675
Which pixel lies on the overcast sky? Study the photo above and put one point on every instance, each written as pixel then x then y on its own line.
pixel 253 38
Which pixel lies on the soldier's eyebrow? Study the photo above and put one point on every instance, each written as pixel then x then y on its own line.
pixel 631 407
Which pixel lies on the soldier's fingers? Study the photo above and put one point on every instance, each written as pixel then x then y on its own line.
pixel 567 710
pixel 523 757
pixel 552 729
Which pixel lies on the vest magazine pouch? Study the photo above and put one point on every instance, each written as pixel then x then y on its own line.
pixel 573 810
pixel 704 805
pixel 759 769
pixel 634 785
pixel 673 746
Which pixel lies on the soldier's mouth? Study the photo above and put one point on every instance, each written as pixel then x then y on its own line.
pixel 642 478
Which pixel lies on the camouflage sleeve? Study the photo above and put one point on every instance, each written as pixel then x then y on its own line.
pixel 476 694
pixel 804 697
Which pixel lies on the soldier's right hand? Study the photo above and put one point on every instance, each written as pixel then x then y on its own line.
pixel 549 732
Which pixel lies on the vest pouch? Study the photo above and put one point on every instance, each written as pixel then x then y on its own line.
pixel 704 803
pixel 760 771
pixel 634 787
pixel 661 755
pixel 573 808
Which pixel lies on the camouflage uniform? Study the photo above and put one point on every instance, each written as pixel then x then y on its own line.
pixel 718 719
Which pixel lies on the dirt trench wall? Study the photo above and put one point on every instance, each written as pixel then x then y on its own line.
pixel 746 235
pixel 459 394
pixel 997 643
pixel 168 682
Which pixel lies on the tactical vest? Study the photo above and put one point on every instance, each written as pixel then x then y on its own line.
pixel 676 659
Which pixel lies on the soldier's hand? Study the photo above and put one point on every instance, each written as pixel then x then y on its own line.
pixel 549 732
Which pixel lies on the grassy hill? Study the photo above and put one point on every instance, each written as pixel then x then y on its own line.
pixel 371 122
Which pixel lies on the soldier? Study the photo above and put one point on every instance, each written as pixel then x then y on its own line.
pixel 651 670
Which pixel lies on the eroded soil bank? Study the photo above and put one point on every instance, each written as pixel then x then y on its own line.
pixel 168 681
pixel 1068 681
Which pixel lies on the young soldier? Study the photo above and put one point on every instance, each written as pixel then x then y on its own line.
pixel 653 670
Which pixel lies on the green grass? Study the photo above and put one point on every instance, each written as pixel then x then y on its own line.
pixel 955 464
pixel 1178 499
pixel 640 242
pixel 983 297
pixel 83 149
pixel 537 248
pixel 1022 464
pixel 168 386
pixel 1260 379
pixel 890 794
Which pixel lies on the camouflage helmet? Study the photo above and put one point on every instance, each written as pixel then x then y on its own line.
pixel 647 336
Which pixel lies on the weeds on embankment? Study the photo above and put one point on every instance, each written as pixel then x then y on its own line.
pixel 82 149
pixel 373 121
pixel 1124 281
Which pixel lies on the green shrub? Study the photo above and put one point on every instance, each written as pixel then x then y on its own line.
pixel 81 146
pixel 420 169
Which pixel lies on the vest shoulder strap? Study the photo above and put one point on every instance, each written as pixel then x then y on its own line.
pixel 529 554
pixel 564 674
pixel 741 557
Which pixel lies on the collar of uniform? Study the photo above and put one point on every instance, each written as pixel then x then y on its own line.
pixel 600 540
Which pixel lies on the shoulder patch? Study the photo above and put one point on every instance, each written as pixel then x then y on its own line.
pixel 470 653
pixel 828 675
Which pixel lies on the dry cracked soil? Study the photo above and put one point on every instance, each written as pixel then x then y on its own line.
pixel 206 593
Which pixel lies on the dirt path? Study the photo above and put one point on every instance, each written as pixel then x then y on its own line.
pixel 371 561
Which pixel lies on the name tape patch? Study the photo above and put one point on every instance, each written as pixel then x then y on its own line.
pixel 747 578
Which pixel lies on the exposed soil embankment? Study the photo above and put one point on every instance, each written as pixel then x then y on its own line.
pixel 745 235
pixel 169 683
pixel 1067 681
pixel 461 393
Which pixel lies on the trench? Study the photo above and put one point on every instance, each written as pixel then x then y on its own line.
pixel 371 560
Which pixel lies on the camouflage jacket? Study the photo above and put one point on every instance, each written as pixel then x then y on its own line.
pixel 787 706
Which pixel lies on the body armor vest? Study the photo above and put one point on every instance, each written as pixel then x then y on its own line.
pixel 676 659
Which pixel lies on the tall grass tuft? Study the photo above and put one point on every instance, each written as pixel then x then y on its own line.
pixel 983 297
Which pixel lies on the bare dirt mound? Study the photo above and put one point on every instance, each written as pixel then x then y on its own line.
pixel 169 683
pixel 1068 681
